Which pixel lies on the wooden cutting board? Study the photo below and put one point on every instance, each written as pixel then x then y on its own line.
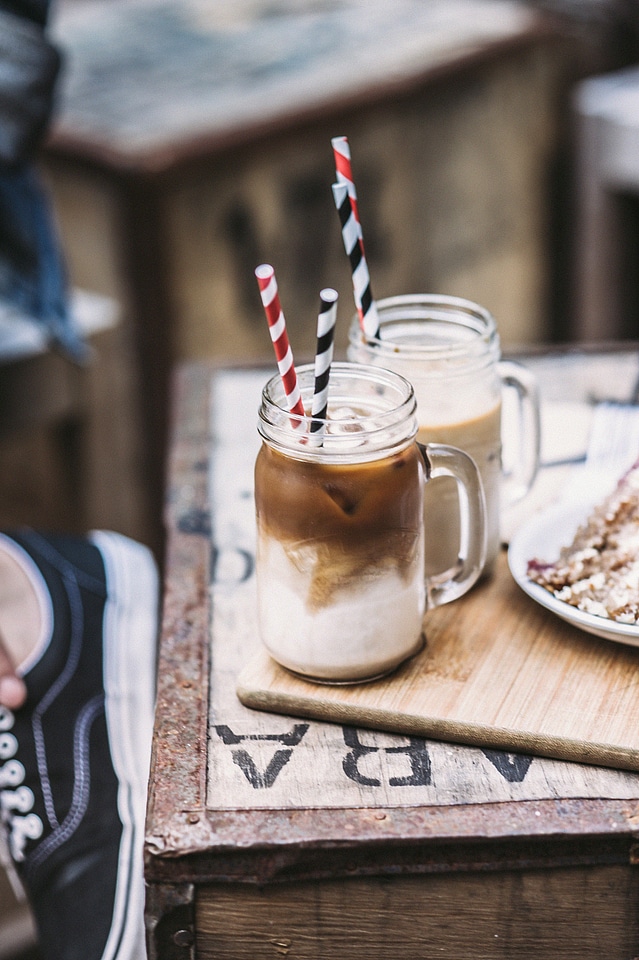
pixel 497 671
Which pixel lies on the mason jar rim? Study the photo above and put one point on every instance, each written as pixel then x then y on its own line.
pixel 403 310
pixel 386 429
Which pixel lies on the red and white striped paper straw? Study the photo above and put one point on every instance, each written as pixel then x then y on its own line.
pixel 366 307
pixel 323 360
pixel 283 354
pixel 344 171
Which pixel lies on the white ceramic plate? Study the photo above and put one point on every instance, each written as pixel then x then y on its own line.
pixel 543 537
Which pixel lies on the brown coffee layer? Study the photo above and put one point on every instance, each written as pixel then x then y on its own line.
pixel 358 518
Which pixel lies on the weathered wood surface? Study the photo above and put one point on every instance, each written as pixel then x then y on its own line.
pixel 537 915
pixel 497 671
pixel 494 640
pixel 464 852
pixel 227 778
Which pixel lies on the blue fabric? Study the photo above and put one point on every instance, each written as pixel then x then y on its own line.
pixel 32 272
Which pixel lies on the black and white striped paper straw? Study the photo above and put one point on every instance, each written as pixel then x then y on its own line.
pixel 366 308
pixel 323 361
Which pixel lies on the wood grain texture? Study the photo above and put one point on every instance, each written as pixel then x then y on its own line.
pixel 256 759
pixel 497 671
pixel 270 836
pixel 538 915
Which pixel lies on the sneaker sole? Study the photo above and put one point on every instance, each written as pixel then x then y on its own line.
pixel 130 643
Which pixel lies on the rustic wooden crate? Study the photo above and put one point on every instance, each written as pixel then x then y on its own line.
pixel 277 836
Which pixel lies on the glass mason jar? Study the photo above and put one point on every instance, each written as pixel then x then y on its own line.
pixel 449 349
pixel 341 530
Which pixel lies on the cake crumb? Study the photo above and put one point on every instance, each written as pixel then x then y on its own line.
pixel 599 571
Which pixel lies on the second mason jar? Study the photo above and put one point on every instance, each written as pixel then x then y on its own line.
pixel 449 349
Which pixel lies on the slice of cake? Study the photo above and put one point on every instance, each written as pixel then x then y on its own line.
pixel 599 571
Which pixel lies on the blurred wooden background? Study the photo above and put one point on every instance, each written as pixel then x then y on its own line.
pixel 192 142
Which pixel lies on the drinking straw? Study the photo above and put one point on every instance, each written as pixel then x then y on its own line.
pixel 323 359
pixel 277 327
pixel 344 171
pixel 366 308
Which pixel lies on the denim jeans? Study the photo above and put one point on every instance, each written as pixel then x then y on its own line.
pixel 32 274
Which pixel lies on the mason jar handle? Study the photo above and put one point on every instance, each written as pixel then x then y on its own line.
pixel 525 465
pixel 444 461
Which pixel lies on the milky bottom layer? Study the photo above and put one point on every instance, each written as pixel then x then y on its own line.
pixel 364 631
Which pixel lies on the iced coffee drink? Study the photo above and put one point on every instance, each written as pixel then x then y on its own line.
pixel 480 437
pixel 340 528
pixel 449 350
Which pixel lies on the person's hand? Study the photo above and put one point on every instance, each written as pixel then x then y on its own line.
pixel 13 691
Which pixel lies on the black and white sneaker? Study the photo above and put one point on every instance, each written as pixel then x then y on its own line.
pixel 74 760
